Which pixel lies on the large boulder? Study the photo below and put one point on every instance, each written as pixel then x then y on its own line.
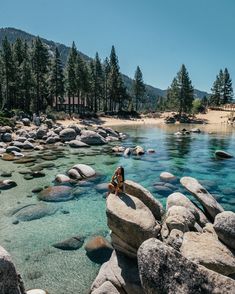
pixel 68 134
pixel 84 170
pixel 131 223
pixel 10 282
pixel 164 270
pixel 121 272
pixel 211 206
pixel 146 197
pixel 41 132
pixel 179 199
pixel 224 226
pixel 180 218
pixel 207 250
pixel 56 194
pixel 92 138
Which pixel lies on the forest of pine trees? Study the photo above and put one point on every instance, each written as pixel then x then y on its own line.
pixel 32 78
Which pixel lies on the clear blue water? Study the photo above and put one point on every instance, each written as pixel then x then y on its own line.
pixel 60 272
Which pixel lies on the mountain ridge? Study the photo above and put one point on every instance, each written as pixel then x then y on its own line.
pixel 12 34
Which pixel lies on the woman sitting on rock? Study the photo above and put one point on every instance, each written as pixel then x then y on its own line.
pixel 117 183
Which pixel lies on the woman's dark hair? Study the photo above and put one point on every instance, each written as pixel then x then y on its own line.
pixel 122 172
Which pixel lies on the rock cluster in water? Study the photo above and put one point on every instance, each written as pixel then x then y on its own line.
pixel 185 249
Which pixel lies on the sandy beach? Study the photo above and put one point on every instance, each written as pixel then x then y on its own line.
pixel 212 117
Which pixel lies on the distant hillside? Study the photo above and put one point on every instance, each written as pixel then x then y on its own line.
pixel 12 34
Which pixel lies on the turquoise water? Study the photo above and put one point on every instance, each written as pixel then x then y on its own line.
pixel 60 272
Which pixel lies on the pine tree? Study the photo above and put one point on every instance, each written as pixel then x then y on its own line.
pixel 227 88
pixel 1 81
pixel 106 71
pixel 8 75
pixel 71 75
pixel 181 91
pixel 40 62
pixel 56 79
pixel 113 80
pixel 27 82
pixel 215 98
pixel 138 88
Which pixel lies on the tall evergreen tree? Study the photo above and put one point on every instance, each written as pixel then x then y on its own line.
pixel 8 75
pixel 113 80
pixel 181 91
pixel 106 71
pixel 227 88
pixel 40 62
pixel 215 98
pixel 138 88
pixel 56 79
pixel 71 75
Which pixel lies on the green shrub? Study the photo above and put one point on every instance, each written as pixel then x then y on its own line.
pixel 4 121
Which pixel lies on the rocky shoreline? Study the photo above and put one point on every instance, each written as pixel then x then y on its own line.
pixel 184 249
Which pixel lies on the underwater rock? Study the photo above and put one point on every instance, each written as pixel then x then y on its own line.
pixel 167 177
pixel 7 184
pixel 98 249
pixel 77 144
pixel 223 154
pixel 35 211
pixel 56 194
pixel 72 243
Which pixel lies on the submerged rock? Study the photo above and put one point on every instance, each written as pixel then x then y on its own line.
pixel 77 144
pixel 164 270
pixel 56 194
pixel 7 184
pixel 98 249
pixel 35 211
pixel 36 291
pixel 72 243
pixel 167 177
pixel 223 154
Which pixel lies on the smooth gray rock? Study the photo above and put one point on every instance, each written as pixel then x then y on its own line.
pixel 146 197
pixel 211 206
pixel 7 184
pixel 121 272
pixel 92 138
pixel 205 249
pixel 224 226
pixel 56 194
pixel 84 170
pixel 67 134
pixel 77 144
pixel 7 137
pixel 179 199
pixel 131 222
pixel 164 270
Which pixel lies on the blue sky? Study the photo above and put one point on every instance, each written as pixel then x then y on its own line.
pixel 157 35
